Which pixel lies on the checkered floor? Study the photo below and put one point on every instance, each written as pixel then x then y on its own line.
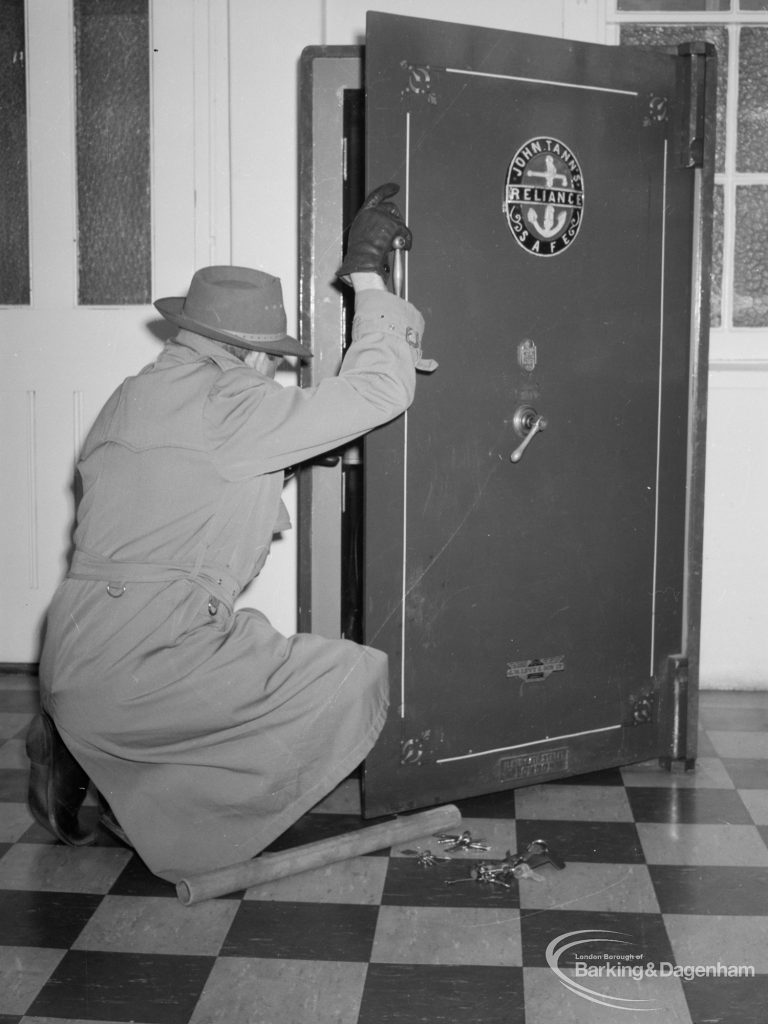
pixel 666 876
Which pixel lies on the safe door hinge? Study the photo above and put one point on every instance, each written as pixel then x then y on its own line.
pixel 420 81
pixel 696 71
pixel 674 718
pixel 641 708
pixel 416 750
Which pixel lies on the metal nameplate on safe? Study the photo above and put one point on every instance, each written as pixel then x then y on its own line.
pixel 530 766
pixel 535 668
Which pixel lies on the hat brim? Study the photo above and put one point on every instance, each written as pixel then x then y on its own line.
pixel 173 310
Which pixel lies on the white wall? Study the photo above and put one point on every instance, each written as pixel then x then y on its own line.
pixel 734 653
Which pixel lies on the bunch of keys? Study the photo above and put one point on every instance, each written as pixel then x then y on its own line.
pixel 464 841
pixel 519 865
pixel 425 858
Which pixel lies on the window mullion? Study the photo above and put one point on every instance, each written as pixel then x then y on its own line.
pixel 729 187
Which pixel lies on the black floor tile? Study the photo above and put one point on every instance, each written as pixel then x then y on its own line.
pixel 728 1000
pixel 601 936
pixel 442 994
pixel 677 805
pixel 704 745
pixel 13 785
pixel 39 835
pixel 710 890
pixel 606 777
pixel 44 919
pixel 445 884
pixel 605 842
pixel 302 931
pixel 491 805
pixel 19 701
pixel 153 989
pixel 137 880
pixel 747 772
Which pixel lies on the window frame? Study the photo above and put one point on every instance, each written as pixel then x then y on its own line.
pixel 728 343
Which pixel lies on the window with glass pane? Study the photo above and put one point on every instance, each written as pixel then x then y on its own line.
pixel 113 168
pixel 750 300
pixel 752 131
pixel 716 269
pixel 14 199
pixel 739 266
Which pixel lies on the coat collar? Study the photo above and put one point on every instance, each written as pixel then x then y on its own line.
pixel 188 347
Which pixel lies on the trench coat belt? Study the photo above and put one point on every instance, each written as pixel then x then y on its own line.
pixel 216 582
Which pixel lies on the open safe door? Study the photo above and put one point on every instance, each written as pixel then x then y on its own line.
pixel 531 534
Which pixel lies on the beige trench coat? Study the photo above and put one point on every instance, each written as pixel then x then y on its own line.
pixel 207 731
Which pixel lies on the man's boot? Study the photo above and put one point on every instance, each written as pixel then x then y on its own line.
pixel 57 783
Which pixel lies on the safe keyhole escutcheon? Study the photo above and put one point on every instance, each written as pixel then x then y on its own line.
pixel 527 423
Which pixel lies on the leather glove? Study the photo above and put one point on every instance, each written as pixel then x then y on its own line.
pixel 375 227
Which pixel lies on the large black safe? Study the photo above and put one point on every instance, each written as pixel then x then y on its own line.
pixel 525 543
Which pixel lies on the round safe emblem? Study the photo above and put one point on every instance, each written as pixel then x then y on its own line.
pixel 544 196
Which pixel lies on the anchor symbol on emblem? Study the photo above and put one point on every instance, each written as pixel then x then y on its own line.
pixel 552 178
pixel 550 227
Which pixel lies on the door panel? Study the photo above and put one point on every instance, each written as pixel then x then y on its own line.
pixel 61 360
pixel 534 611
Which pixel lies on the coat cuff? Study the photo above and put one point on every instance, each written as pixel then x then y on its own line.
pixel 379 311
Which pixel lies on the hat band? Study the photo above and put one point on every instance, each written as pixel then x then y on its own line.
pixel 259 337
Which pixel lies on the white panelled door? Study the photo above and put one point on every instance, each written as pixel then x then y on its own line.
pixel 60 361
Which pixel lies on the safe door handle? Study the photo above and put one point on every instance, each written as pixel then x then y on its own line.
pixel 398 266
pixel 528 423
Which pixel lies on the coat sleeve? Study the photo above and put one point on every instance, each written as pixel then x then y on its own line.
pixel 255 426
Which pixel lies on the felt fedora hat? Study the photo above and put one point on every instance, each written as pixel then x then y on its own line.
pixel 236 305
